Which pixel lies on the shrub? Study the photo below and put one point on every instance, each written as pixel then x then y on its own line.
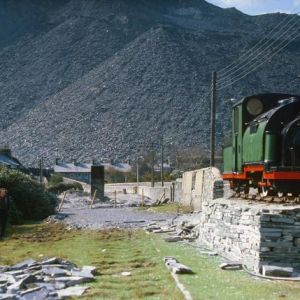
pixel 30 200
pixel 55 179
pixel 62 187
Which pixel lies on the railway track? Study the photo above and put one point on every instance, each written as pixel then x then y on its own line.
pixel 288 200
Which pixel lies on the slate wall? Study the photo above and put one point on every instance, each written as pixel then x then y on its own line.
pixel 253 233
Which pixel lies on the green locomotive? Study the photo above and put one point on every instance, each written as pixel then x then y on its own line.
pixel 264 151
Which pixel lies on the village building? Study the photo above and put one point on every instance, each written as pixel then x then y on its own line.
pixel 7 160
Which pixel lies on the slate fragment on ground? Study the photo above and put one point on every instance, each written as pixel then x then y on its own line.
pixel 51 278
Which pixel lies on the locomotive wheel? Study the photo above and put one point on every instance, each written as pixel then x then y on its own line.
pixel 246 190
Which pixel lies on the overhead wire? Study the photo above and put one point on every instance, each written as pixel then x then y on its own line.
pixel 265 51
pixel 273 45
pixel 266 58
pixel 261 44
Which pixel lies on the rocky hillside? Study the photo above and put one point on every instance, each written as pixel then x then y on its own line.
pixel 102 79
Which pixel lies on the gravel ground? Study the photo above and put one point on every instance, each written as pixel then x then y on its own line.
pixel 76 212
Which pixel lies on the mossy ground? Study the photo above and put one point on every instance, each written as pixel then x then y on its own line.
pixel 116 251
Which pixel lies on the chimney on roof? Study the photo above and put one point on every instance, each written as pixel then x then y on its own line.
pixel 56 161
pixel 94 162
pixel 74 161
pixel 5 151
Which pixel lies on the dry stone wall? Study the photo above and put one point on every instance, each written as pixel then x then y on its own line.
pixel 255 234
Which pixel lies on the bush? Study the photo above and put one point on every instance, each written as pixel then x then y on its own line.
pixel 62 187
pixel 55 179
pixel 30 201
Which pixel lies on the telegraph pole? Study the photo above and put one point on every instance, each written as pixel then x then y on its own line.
pixel 162 161
pixel 41 170
pixel 213 119
pixel 137 172
pixel 152 165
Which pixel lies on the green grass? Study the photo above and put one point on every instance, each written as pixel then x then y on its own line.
pixel 210 282
pixel 116 251
pixel 112 252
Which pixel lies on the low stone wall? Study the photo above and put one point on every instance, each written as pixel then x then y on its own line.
pixel 155 193
pixel 255 234
pixel 201 185
pixel 86 187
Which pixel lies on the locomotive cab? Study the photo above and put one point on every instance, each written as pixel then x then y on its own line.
pixel 265 147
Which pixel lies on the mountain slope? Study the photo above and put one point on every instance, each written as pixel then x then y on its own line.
pixel 110 76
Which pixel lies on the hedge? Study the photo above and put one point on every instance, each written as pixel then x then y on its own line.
pixel 29 199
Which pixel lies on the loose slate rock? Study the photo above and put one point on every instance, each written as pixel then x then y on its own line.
pixel 7 296
pixel 173 239
pixel 231 266
pixel 23 264
pixel 176 267
pixel 31 280
pixel 55 271
pixel 35 294
pixel 71 291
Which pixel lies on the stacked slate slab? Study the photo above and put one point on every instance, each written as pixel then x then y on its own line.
pixel 51 279
pixel 256 234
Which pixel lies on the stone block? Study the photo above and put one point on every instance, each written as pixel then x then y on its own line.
pixel 296 242
pixel 265 249
pixel 280 219
pixel 276 271
pixel 265 218
pixel 271 234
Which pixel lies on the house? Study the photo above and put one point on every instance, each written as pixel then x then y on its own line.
pixel 87 173
pixel 7 160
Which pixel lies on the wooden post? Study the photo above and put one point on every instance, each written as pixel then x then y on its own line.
pixel 213 119
pixel 41 170
pixel 162 161
pixel 62 201
pixel 152 165
pixel 93 199
pixel 115 200
pixel 173 191
pixel 143 198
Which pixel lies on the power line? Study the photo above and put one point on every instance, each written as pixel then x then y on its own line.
pixel 262 54
pixel 261 63
pixel 263 42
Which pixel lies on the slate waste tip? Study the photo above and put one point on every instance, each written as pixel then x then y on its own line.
pixel 52 278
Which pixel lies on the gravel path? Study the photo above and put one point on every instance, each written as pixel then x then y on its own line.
pixel 76 212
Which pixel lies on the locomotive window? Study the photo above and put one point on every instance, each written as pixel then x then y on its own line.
pixel 253 128
pixel 255 107
pixel 296 139
pixel 236 120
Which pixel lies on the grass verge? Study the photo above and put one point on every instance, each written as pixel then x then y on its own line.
pixel 116 251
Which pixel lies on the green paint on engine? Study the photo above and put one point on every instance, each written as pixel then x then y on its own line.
pixel 253 142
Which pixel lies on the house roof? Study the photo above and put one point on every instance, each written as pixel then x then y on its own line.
pixel 86 168
pixel 9 161
pixel 72 168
